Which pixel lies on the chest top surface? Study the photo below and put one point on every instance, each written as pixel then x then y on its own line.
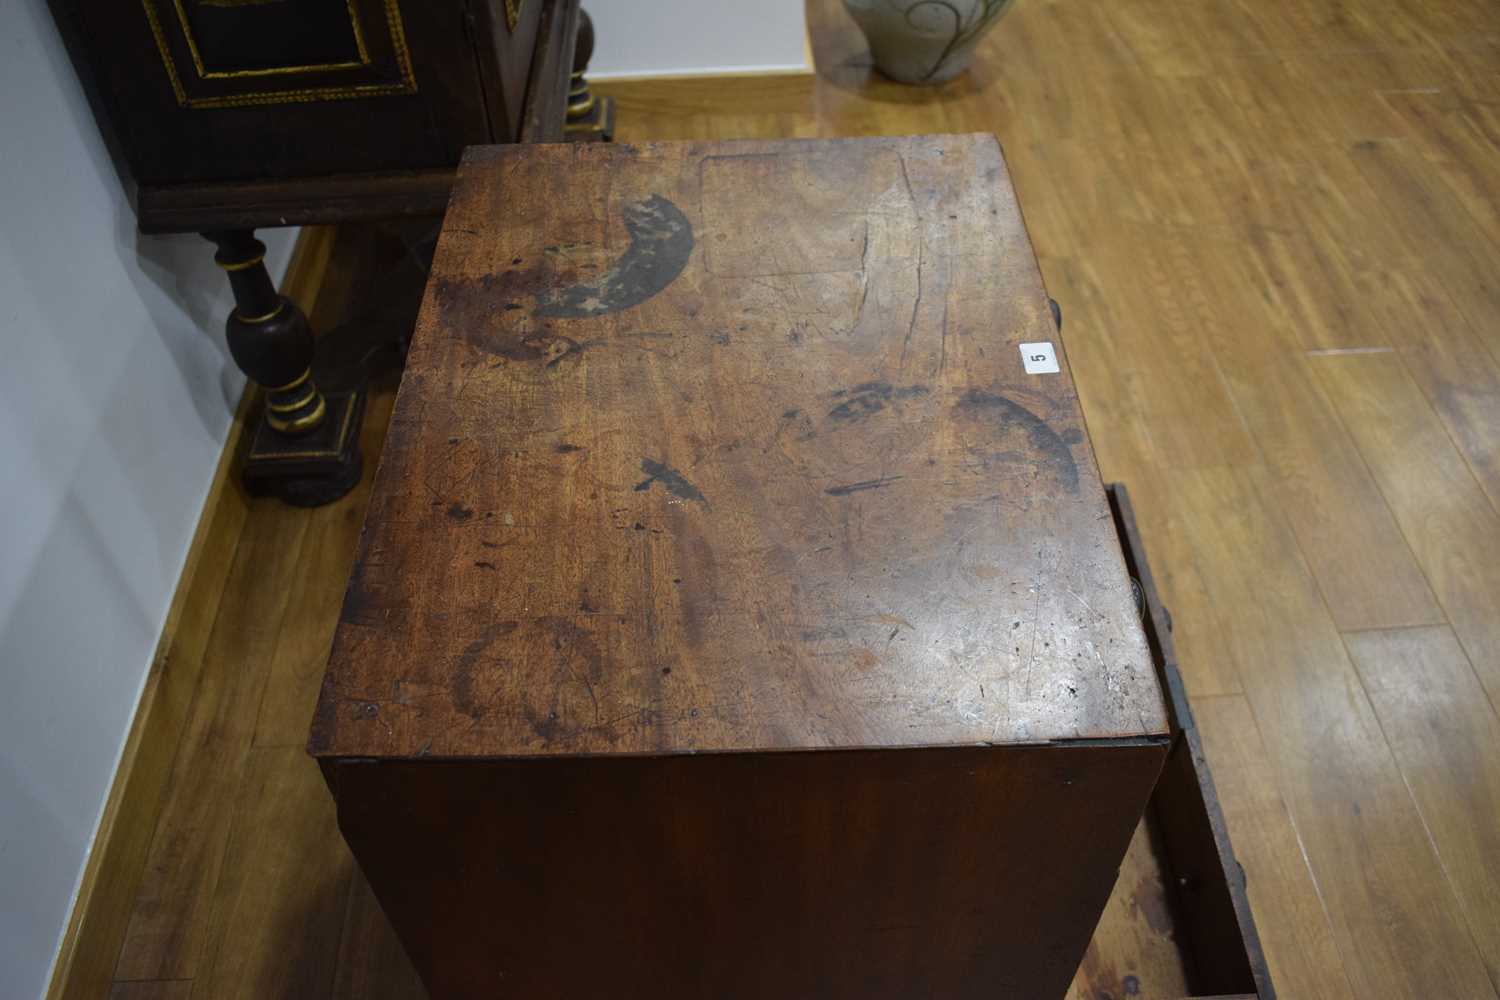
pixel 730 446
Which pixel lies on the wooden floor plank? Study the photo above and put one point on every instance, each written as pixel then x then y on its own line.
pixel 1135 951
pixel 1436 226
pixel 1183 397
pixel 1365 572
pixel 1295 930
pixel 1455 141
pixel 1449 363
pixel 1439 505
pixel 278 907
pixel 1446 738
pixel 371 962
pixel 1122 442
pixel 317 594
pixel 166 933
pixel 1386 895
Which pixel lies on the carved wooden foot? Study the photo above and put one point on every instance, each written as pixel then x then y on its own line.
pixel 305 446
pixel 590 118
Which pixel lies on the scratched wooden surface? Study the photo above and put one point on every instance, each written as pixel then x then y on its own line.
pixel 729 446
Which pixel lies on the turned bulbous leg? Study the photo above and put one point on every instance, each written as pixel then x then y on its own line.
pixel 305 446
pixel 590 118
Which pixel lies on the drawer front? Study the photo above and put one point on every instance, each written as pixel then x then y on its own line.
pixel 214 90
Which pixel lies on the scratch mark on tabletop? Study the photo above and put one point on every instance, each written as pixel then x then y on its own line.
pixel 816 551
pixel 906 179
pixel 868 484
pixel 943 344
pixel 1036 609
pixel 1074 594
pixel 589 686
pixel 916 304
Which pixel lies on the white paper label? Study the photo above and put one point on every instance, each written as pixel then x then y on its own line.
pixel 1039 359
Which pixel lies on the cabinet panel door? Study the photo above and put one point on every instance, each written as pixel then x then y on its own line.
pixel 211 90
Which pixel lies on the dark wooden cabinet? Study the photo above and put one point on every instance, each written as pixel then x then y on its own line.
pixel 224 116
pixel 227 98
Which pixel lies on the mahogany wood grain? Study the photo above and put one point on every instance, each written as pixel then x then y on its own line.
pixel 804 495
pixel 733 605
pixel 952 872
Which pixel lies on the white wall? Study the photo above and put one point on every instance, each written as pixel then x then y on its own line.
pixel 686 37
pixel 116 393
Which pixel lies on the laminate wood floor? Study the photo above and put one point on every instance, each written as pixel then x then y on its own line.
pixel 1274 229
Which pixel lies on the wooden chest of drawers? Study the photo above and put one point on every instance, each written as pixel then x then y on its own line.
pixel 739 612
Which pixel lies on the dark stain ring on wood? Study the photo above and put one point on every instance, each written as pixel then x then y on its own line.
pixel 462 688
pixel 869 397
pixel 1043 438
pixel 661 240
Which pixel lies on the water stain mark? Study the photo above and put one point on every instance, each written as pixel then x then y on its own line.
pixel 869 398
pixel 661 240
pixel 485 311
pixel 463 687
pixel 671 480
pixel 479 311
pixel 1052 445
